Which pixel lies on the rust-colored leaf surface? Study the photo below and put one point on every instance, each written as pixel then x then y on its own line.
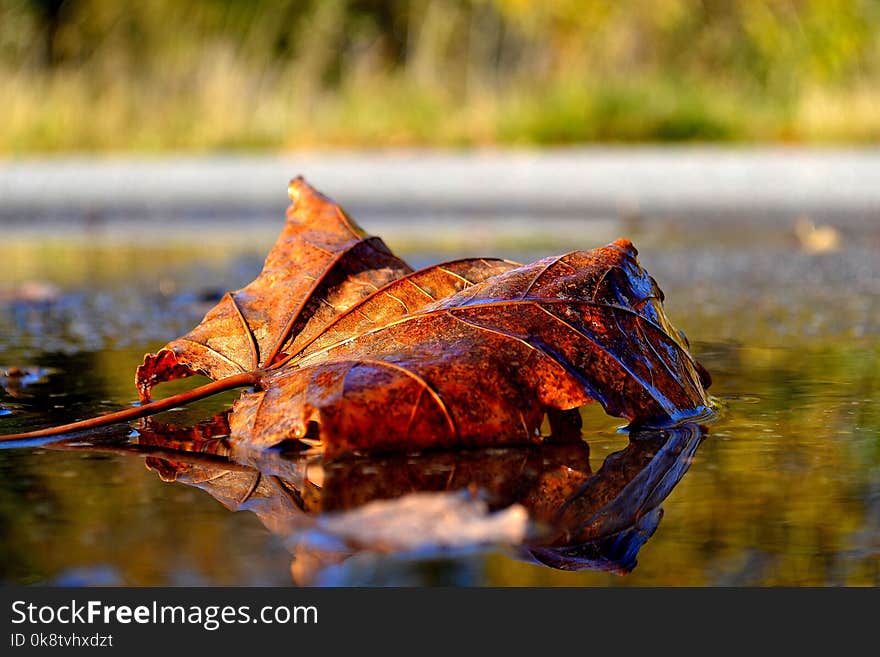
pixel 321 265
pixel 346 344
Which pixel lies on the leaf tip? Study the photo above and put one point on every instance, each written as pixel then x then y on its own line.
pixel 295 188
pixel 626 246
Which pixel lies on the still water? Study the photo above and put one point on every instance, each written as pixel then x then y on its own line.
pixel 783 488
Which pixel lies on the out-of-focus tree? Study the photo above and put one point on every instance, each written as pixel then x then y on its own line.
pixel 437 70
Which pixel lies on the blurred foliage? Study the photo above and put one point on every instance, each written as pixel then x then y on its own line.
pixel 228 74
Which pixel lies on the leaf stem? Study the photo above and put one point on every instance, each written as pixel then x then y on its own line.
pixel 207 390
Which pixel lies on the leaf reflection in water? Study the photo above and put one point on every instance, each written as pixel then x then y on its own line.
pixel 541 503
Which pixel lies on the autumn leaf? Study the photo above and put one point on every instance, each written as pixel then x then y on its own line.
pixel 342 342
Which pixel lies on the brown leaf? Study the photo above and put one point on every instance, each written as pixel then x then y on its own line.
pixel 343 342
pixel 350 346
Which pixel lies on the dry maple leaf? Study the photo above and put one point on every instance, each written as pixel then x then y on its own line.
pixel 342 341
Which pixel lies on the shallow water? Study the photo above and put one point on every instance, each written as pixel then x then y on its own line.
pixel 782 489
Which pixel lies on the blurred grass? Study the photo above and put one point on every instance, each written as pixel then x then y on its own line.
pixel 96 75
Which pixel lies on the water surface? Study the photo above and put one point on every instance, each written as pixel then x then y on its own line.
pixel 782 489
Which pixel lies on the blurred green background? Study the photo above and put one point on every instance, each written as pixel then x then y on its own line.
pixel 160 75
